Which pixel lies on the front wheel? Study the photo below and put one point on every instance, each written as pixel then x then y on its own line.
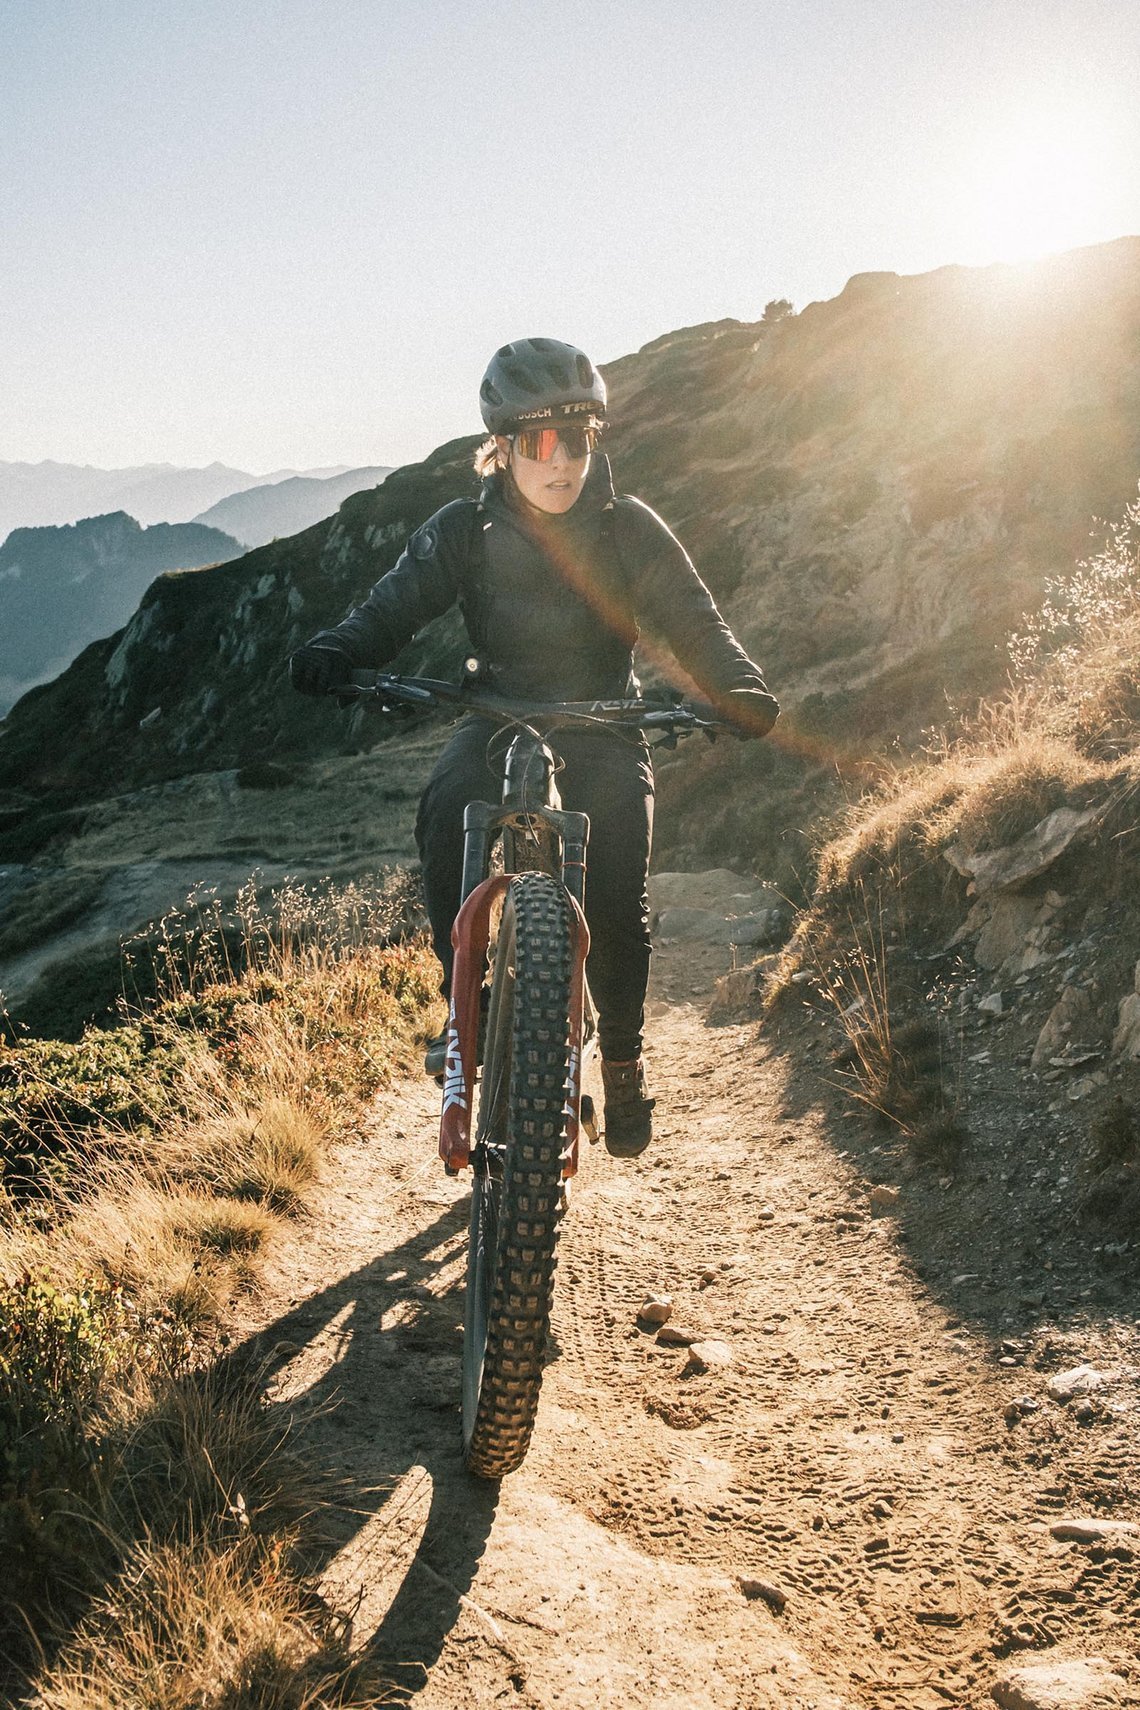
pixel 517 1159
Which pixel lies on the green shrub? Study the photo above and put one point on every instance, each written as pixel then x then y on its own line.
pixel 54 1094
pixel 57 1351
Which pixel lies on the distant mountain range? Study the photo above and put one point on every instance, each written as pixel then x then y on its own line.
pixel 37 495
pixel 61 588
pixel 272 510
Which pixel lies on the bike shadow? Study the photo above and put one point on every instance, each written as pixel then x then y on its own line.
pixel 368 1371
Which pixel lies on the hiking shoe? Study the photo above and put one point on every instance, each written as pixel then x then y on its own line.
pixel 629 1109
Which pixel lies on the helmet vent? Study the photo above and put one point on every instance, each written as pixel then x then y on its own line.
pixel 585 370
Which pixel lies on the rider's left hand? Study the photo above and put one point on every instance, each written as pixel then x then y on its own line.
pixel 751 712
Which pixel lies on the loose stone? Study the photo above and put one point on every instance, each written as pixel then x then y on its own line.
pixel 708 1356
pixel 1080 1380
pixel 1092 1531
pixel 764 1591
pixel 656 1309
pixel 1084 1683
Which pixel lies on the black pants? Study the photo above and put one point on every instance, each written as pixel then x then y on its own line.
pixel 606 776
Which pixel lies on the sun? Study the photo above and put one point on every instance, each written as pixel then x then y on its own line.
pixel 1043 184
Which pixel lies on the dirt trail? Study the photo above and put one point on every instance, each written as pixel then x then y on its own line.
pixel 854 1454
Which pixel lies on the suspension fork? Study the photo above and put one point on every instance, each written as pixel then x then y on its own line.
pixel 529 772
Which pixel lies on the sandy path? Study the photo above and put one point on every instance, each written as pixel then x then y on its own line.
pixel 854 1453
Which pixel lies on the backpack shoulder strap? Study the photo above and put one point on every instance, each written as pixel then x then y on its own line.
pixel 617 516
pixel 472 575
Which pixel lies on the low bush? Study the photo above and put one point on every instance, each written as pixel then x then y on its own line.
pixel 55 1095
pixel 60 1350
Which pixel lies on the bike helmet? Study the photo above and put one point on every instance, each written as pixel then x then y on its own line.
pixel 537 380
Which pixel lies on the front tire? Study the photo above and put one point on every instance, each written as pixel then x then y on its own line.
pixel 517 1200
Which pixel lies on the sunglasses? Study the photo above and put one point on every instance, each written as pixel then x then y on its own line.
pixel 537 444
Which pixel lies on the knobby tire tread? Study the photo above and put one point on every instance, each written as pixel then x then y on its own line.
pixel 531 1197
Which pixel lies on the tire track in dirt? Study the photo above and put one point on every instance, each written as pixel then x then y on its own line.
pixel 854 1453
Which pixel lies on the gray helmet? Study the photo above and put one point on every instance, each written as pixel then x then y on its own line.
pixel 540 380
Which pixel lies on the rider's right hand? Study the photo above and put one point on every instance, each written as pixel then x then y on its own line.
pixel 319 666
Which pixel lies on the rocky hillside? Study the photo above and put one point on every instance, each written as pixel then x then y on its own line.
pixel 875 488
pixel 62 587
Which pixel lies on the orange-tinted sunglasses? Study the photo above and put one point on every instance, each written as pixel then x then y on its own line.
pixel 537 444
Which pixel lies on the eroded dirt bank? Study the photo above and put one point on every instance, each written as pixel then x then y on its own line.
pixel 855 1456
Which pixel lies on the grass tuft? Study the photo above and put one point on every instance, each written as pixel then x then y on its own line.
pixel 283 1158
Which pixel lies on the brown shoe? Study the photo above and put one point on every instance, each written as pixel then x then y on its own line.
pixel 629 1109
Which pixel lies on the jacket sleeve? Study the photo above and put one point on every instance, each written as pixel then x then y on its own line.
pixel 674 604
pixel 422 584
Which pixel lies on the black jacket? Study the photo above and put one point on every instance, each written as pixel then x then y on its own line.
pixel 553 604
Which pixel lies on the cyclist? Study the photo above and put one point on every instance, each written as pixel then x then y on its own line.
pixel 554 574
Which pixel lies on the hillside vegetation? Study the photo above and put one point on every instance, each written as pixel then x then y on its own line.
pixel 994 884
pixel 152 1521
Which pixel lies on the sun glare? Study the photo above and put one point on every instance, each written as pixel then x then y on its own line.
pixel 1043 186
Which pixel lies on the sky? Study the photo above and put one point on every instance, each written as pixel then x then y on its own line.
pixel 290 233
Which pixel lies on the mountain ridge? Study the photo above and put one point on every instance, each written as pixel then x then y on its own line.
pixel 875 489
pixel 51 494
pixel 257 515
pixel 62 586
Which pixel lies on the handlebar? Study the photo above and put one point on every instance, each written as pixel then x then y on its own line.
pixel 673 717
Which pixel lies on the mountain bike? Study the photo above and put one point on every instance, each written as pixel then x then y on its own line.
pixel 520 1009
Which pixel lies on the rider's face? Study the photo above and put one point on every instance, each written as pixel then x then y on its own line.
pixel 554 486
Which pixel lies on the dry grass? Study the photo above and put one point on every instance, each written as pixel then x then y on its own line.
pixel 208 1629
pixel 155 1495
pixel 976 797
pixel 206 1607
pixel 899 1068
pixel 1066 735
pixel 1067 732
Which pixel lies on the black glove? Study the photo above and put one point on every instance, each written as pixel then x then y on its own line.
pixel 319 666
pixel 751 712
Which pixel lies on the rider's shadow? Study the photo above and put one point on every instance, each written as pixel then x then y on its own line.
pixel 379 1414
